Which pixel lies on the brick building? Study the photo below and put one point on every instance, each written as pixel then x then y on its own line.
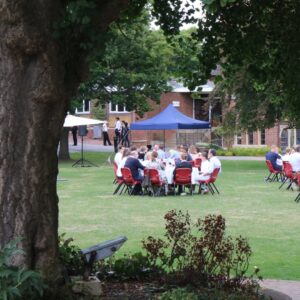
pixel 195 105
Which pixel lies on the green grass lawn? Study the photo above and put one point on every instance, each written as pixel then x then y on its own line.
pixel 266 216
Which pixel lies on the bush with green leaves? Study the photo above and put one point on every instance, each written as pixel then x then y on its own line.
pixel 179 294
pixel 70 256
pixel 17 282
pixel 201 254
pixel 208 146
pixel 129 267
pixel 240 151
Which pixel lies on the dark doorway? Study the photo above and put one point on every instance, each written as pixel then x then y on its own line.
pixel 284 141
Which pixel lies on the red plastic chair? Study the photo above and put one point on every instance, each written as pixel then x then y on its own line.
pixel 210 182
pixel 155 182
pixel 115 172
pixel 273 173
pixel 128 180
pixel 183 176
pixel 192 163
pixel 297 199
pixel 289 174
pixel 197 163
pixel 146 183
pixel 118 181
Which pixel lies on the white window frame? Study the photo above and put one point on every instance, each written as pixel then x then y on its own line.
pixel 82 111
pixel 238 136
pixel 117 111
pixel 248 134
pixel 260 133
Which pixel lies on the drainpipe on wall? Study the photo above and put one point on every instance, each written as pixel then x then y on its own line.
pixel 193 108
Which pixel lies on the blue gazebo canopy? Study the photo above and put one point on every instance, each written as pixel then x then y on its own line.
pixel 169 119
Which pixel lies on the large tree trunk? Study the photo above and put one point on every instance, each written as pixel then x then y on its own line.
pixel 35 81
pixel 64 153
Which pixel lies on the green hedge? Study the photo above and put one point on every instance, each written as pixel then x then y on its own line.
pixel 243 152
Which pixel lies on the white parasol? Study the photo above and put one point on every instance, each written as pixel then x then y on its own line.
pixel 71 121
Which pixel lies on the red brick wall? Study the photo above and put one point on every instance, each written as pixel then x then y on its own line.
pixel 272 136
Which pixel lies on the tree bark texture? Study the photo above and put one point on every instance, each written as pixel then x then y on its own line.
pixel 35 84
pixel 64 153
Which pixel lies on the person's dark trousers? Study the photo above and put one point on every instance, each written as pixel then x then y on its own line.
pixel 116 144
pixel 126 141
pixel 180 189
pixel 138 190
pixel 74 138
pixel 118 136
pixel 106 139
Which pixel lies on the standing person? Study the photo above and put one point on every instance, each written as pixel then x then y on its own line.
pixel 105 134
pixel 74 133
pixel 125 134
pixel 118 129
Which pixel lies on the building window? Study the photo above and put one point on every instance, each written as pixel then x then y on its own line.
pixel 250 138
pixel 263 137
pixel 202 108
pixel 216 113
pixel 297 136
pixel 239 139
pixel 117 108
pixel 86 105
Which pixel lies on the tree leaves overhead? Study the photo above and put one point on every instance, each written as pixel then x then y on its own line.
pixel 258 46
pixel 132 68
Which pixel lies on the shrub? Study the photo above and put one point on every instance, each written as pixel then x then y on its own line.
pixel 208 258
pixel 129 267
pixel 180 294
pixel 243 152
pixel 16 282
pixel 70 256
pixel 208 146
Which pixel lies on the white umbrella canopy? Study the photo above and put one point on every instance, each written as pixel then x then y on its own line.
pixel 71 121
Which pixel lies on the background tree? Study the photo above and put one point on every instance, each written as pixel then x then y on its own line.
pixel 132 67
pixel 257 44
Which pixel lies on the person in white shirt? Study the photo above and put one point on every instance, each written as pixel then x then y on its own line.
pixel 287 155
pixel 105 134
pixel 206 167
pixel 160 151
pixel 118 156
pixel 295 160
pixel 118 128
pixel 125 155
pixel 214 160
pixel 205 172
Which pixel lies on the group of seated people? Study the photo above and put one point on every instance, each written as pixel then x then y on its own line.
pixel 167 162
pixel 292 155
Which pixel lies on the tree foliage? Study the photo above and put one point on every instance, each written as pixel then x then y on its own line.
pixel 257 44
pixel 131 68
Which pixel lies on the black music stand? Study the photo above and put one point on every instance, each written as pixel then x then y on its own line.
pixel 83 162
